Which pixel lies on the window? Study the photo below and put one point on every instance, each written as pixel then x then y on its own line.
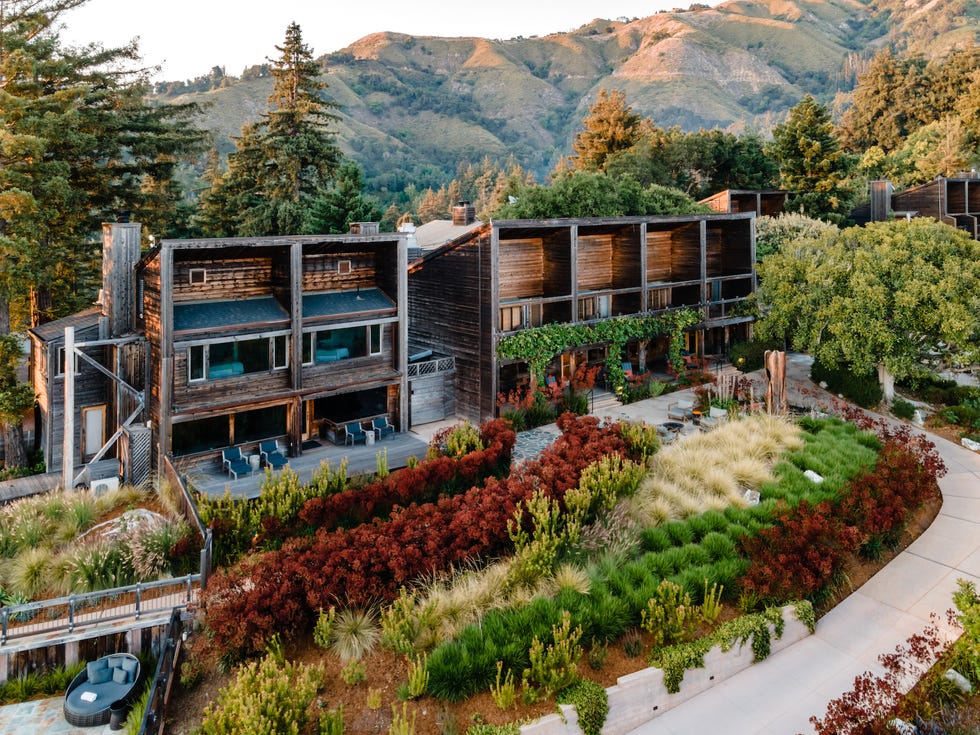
pixel 308 356
pixel 230 359
pixel 198 276
pixel 586 309
pixel 343 267
pixel 195 363
pixel 61 363
pixel 374 339
pixel 280 352
pixel 511 318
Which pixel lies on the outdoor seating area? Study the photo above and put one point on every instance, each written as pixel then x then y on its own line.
pixel 680 411
pixel 271 455
pixel 102 687
pixel 234 463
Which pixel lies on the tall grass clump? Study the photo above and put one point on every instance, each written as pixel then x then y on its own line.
pixel 355 634
pixel 712 471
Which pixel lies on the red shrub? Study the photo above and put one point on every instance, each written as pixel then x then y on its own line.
pixel 368 563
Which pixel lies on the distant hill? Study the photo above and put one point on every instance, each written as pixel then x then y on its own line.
pixel 413 107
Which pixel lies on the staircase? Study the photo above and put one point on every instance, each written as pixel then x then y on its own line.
pixel 604 403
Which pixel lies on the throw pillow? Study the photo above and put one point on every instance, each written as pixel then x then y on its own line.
pixel 129 665
pixel 92 666
pixel 119 676
pixel 101 676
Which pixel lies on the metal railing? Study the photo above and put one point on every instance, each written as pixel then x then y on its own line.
pixel 78 612
pixel 156 701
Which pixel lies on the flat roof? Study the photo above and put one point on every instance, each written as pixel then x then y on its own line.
pixel 337 303
pixel 230 313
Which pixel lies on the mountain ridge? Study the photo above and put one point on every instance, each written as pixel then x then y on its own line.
pixel 413 107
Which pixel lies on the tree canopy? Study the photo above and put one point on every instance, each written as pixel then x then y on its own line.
pixel 610 126
pixel 811 163
pixel 78 143
pixel 775 234
pixel 581 194
pixel 889 295
pixel 285 162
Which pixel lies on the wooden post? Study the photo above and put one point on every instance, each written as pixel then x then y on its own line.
pixel 68 445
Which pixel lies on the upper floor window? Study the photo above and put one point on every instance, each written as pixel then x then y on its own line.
pixel 198 276
pixel 331 345
pixel 343 267
pixel 229 359
pixel 658 298
pixel 60 370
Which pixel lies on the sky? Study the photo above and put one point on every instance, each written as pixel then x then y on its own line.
pixel 189 37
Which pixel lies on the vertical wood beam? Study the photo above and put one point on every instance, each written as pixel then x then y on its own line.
pixel 166 347
pixel 401 351
pixel 644 297
pixel 68 440
pixel 573 265
pixel 295 423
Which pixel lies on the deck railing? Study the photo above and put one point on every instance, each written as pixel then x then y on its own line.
pixel 156 702
pixel 78 612
pixel 431 367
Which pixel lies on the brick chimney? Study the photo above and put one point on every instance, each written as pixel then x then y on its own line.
pixel 120 254
pixel 464 214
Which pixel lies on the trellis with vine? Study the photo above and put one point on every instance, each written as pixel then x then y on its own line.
pixel 539 345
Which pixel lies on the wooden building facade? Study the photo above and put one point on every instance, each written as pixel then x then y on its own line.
pixel 273 338
pixel 511 275
pixel 764 202
pixel 199 345
pixel 954 200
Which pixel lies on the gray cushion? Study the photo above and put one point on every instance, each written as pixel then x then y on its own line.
pixel 129 665
pixel 115 661
pixel 120 676
pixel 92 666
pixel 100 676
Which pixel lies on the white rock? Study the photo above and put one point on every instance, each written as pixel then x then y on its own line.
pixel 751 497
pixel 970 444
pixel 961 682
pixel 813 477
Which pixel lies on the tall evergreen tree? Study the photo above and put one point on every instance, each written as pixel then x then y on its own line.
pixel 345 202
pixel 77 144
pixel 610 126
pixel 811 163
pixel 285 162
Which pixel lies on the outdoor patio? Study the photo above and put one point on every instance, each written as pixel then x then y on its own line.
pixel 209 479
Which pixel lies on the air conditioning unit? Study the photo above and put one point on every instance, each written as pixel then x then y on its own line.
pixel 105 485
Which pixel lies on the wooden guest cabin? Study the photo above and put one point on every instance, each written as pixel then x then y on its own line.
pixel 764 202
pixel 510 275
pixel 244 340
pixel 954 200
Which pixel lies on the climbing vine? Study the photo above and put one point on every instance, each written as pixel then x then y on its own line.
pixel 539 345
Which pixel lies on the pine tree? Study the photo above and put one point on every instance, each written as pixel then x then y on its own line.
pixel 284 163
pixel 610 126
pixel 78 143
pixel 345 203
pixel 811 163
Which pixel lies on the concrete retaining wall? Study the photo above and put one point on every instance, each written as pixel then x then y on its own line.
pixel 640 697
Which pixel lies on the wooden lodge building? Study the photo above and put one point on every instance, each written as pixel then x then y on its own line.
pixel 764 202
pixel 509 275
pixel 199 345
pixel 954 200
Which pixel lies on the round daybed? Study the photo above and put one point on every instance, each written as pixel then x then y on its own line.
pixel 102 683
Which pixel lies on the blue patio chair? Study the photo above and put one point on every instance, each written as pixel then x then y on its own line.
pixel 234 463
pixel 353 433
pixel 382 427
pixel 628 370
pixel 271 455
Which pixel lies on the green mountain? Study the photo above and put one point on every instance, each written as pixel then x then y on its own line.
pixel 413 107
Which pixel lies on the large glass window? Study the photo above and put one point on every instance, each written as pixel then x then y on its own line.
pixel 201 435
pixel 228 359
pixel 331 345
pixel 262 423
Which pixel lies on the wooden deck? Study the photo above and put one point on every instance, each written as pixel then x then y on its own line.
pixel 210 480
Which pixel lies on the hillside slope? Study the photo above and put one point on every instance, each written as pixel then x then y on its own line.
pixel 414 106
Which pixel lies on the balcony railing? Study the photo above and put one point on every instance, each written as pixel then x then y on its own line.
pixel 431 367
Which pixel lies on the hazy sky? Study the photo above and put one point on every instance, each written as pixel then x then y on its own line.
pixel 188 37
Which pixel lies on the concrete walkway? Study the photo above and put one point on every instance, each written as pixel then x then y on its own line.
pixel 42 717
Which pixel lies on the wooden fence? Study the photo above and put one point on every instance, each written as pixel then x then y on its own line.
pixel 163 679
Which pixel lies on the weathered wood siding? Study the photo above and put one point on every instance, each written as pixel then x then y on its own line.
pixel 521 269
pixel 673 252
pixel 227 278
pixel 321 273
pixel 557 279
pixel 595 259
pixel 627 271
pixel 448 308
pixel 151 321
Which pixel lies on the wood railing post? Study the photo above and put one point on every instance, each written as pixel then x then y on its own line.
pixel 138 600
pixel 4 614
pixel 71 613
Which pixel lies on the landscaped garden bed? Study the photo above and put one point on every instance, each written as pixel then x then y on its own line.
pixel 60 543
pixel 601 550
